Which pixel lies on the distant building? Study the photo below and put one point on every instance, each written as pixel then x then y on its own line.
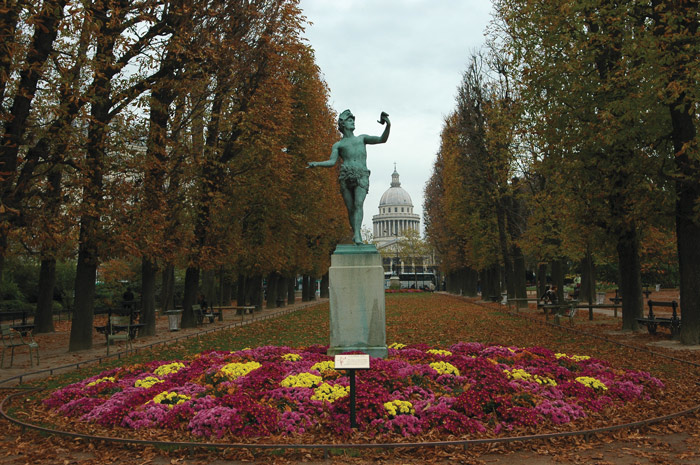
pixel 395 214
pixel 391 224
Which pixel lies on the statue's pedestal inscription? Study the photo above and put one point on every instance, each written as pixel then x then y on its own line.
pixel 357 301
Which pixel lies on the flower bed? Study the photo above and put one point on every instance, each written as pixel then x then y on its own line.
pixel 469 389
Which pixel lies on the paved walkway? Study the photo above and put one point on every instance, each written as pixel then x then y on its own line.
pixel 53 347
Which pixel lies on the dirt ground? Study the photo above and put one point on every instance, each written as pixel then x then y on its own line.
pixel 674 442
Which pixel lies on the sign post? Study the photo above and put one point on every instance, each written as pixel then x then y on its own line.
pixel 352 363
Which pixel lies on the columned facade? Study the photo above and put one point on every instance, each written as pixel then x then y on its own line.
pixel 390 228
pixel 395 214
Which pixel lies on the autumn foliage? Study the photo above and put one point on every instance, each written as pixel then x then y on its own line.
pixel 174 133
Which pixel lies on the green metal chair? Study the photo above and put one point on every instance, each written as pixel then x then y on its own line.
pixel 12 339
pixel 119 330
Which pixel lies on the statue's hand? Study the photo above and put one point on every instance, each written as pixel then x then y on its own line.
pixel 311 164
pixel 384 118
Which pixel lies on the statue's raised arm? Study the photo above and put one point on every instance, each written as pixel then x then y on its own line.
pixel 354 175
pixel 383 119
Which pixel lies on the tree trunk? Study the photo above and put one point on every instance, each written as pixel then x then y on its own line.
pixel 490 284
pixel 688 233
pixel 272 282
pixel 209 286
pixel 291 290
pixel 242 293
pixel 149 272
pixel 325 282
pixel 167 292
pixel 588 284
pixel 256 292
pixel 519 272
pixel 503 242
pixel 676 26
pixel 83 308
pixel 305 288
pixel 630 278
pixel 471 282
pixel 47 274
pixel 558 277
pixel 282 287
pixel 190 297
pixel 43 321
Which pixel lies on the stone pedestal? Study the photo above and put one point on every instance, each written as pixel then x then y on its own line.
pixel 357 301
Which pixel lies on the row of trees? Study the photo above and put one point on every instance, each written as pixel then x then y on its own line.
pixel 173 132
pixel 575 138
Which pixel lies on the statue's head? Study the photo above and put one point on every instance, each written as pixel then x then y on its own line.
pixel 346 115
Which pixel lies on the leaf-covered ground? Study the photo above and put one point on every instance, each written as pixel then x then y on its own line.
pixel 437 320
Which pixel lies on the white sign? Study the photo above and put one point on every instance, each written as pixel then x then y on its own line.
pixel 351 361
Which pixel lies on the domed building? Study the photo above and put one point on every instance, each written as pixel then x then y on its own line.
pixel 396 231
pixel 395 214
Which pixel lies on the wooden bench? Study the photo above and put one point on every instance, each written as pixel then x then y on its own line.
pixel 244 309
pixel 200 314
pixel 652 322
pixel 111 328
pixel 567 309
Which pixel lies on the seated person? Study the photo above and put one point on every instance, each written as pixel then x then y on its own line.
pixel 549 296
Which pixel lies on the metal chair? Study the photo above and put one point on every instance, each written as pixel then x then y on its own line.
pixel 119 330
pixel 12 339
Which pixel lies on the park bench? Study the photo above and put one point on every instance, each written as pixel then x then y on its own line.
pixel 567 309
pixel 116 325
pixel 652 322
pixel 202 313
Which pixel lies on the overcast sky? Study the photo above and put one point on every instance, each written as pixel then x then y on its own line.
pixel 405 57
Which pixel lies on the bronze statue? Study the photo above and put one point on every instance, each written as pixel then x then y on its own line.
pixel 354 175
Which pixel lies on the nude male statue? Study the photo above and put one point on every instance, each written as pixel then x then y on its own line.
pixel 354 175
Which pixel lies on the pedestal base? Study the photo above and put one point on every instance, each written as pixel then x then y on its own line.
pixel 356 286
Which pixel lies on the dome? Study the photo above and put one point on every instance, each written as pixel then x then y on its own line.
pixel 395 195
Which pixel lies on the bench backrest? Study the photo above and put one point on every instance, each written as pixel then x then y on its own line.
pixel 659 303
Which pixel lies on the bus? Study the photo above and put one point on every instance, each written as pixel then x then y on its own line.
pixel 412 280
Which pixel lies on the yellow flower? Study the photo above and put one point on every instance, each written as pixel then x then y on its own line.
pixel 439 352
pixel 592 383
pixel 544 380
pixel 575 358
pixel 292 357
pixel 519 373
pixel 236 370
pixel 147 382
pixel 324 366
pixel 102 380
pixel 301 380
pixel 445 368
pixel 327 393
pixel 170 398
pixel 396 345
pixel 398 407
pixel 165 370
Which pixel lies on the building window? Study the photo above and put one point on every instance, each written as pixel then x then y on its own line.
pixel 396 209
pixel 401 209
